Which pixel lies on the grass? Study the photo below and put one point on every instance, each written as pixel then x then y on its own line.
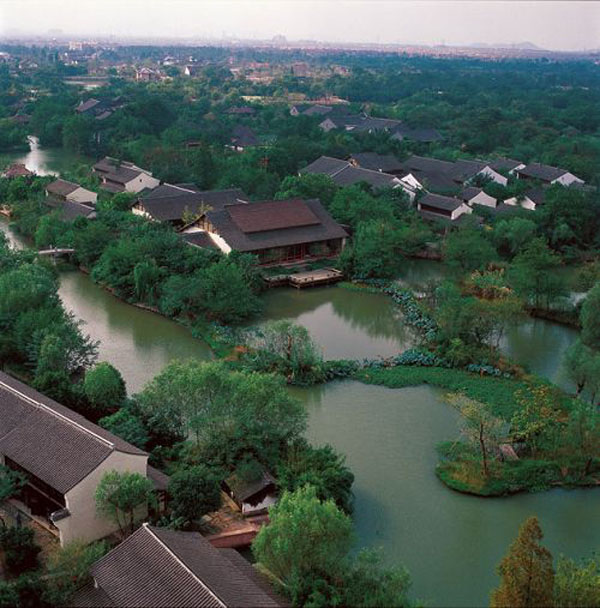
pixel 499 393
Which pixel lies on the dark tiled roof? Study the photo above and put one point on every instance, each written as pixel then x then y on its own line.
pixel 123 175
pixel 317 110
pixel 326 165
pixel 158 478
pixel 156 567
pixel 447 203
pixel 71 210
pixel 90 597
pixel 85 106
pixel 244 489
pixel 172 207
pixel 504 164
pixel 57 445
pixel 353 175
pixel 537 195
pixel 199 238
pixel 244 136
pixel 471 192
pixel 272 215
pixel 325 228
pixel 17 170
pixel 441 174
pixel 465 170
pixel 545 173
pixel 109 165
pixel 377 162
pixel 62 187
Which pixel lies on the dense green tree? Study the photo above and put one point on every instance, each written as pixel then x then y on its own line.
pixel 20 549
pixel 127 425
pixel 526 573
pixel 581 363
pixel 590 318
pixel 321 467
pixel 104 387
pixel 511 235
pixel 307 186
pixel 123 498
pixel 468 249
pixel 577 584
pixel 306 539
pixel 194 492
pixel 533 275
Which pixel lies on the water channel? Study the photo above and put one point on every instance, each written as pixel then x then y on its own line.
pixel 449 542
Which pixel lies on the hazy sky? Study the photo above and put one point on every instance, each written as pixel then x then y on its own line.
pixel 567 25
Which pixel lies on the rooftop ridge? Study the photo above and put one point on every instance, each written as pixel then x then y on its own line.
pixel 58 415
pixel 182 564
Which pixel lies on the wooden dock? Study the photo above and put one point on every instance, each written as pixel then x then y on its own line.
pixel 314 278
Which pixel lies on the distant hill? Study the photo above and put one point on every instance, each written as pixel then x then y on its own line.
pixel 523 46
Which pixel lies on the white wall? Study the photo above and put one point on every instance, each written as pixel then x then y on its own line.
pixel 483 199
pixel 494 176
pixel 220 242
pixel 526 202
pixel 461 211
pixel 567 179
pixel 83 523
pixel 143 180
pixel 81 195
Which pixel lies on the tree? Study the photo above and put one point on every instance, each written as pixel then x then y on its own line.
pixel 126 424
pixel 123 497
pixel 468 250
pixel 533 275
pixel 367 583
pixel 194 492
pixel 513 234
pixel 590 318
pixel 232 414
pixel 583 431
pixel 104 387
pixel 577 584
pixel 527 576
pixel 68 569
pixel 306 539
pixel 321 467
pixel 307 186
pixel 20 550
pixel 537 413
pixel 288 348
pixel 375 250
pixel 580 364
pixel 10 483
pixel 479 426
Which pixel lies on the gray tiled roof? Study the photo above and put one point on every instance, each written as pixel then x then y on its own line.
pixel 71 210
pixel 326 165
pixel 504 164
pixel 324 228
pixel 377 162
pixel 62 187
pixel 169 208
pixel 441 202
pixel 353 175
pixel 199 238
pixel 156 567
pixel 545 173
pixel 471 192
pixel 57 445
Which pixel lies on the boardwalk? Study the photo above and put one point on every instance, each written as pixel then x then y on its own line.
pixel 309 278
pixel 57 251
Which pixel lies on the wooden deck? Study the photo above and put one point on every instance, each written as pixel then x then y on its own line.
pixel 309 278
pixel 312 278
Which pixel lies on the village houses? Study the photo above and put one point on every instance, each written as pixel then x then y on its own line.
pixel 122 176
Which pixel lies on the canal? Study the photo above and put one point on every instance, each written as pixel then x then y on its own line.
pixel 449 542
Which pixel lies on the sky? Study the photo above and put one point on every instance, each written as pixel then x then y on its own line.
pixel 555 25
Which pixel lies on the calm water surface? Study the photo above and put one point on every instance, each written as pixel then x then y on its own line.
pixel 450 543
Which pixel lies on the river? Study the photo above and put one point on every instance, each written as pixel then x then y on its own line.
pixel 449 542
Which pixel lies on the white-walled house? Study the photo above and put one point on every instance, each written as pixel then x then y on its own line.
pixel 63 457
pixel 531 199
pixel 123 176
pixel 443 207
pixel 476 196
pixel 548 174
pixel 63 190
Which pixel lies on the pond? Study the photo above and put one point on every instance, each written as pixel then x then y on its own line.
pixel 44 161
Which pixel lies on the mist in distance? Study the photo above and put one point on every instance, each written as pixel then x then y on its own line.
pixel 560 25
